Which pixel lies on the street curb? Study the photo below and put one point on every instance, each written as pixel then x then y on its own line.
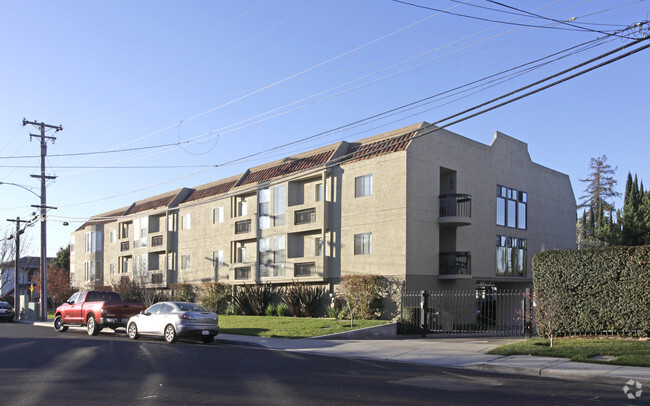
pixel 238 343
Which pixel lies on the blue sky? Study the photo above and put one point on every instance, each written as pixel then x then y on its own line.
pixel 229 78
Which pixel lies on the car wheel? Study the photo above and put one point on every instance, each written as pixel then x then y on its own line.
pixel 132 331
pixel 91 325
pixel 58 325
pixel 170 334
pixel 207 339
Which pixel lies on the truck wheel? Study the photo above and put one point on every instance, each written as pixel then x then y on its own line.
pixel 132 331
pixel 170 334
pixel 58 325
pixel 91 324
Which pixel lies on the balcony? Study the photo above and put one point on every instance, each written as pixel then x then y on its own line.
pixel 455 265
pixel 305 216
pixel 243 227
pixel 455 210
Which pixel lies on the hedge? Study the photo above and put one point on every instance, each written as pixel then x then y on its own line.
pixel 596 291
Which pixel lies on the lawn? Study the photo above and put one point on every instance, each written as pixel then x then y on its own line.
pixel 627 352
pixel 288 327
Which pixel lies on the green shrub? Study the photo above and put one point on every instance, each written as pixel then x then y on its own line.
pixel 282 310
pixel 271 310
pixel 253 299
pixel 233 310
pixel 184 292
pixel 215 296
pixel 363 294
pixel 599 290
pixel 303 300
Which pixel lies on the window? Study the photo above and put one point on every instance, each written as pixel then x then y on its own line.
pixel 113 269
pixel 170 261
pixel 170 223
pixel 217 215
pixel 511 208
pixel 241 254
pixel 72 269
pixel 113 236
pixel 125 265
pixel 186 222
pixel 318 249
pixel 363 244
pixel 511 256
pixel 92 240
pixel 305 269
pixel 264 208
pixel 305 216
pixel 124 230
pixel 279 256
pixel 363 186
pixel 217 258
pixel 154 262
pixel 72 247
pixel 279 205
pixel 522 202
pixel 185 261
pixel 318 192
pixel 242 207
pixel 243 226
pixel 242 273
pixel 144 232
pixel 91 271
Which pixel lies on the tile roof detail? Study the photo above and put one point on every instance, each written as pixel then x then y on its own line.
pixel 210 191
pixel 287 168
pixel 150 205
pixel 358 152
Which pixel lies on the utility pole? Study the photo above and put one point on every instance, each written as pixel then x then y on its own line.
pixel 43 206
pixel 17 262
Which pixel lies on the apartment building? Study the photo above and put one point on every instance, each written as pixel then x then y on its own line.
pixel 425 207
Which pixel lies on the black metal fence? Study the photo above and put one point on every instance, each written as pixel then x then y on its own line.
pixel 483 311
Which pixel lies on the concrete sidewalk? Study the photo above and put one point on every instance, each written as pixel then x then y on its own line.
pixel 449 352
pixel 466 352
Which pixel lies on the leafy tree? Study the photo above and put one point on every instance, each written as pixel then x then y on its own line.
pixel 59 287
pixel 62 259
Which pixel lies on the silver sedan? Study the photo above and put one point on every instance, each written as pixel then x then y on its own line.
pixel 175 319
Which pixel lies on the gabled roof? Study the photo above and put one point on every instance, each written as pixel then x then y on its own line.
pixel 211 190
pixel 150 204
pixel 104 218
pixel 286 168
pixel 360 151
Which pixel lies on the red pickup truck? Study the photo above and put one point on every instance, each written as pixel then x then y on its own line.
pixel 95 309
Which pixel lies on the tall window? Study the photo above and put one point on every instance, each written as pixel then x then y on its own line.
pixel 72 246
pixel 264 208
pixel 217 215
pixel 279 255
pixel 217 259
pixel 318 249
pixel 186 222
pixel 185 261
pixel 279 205
pixel 92 270
pixel 265 256
pixel 113 269
pixel 93 241
pixel 72 269
pixel 318 192
pixel 363 185
pixel 113 236
pixel 363 244
pixel 125 265
pixel 242 207
pixel 144 231
pixel 511 208
pixel 241 254
pixel 511 256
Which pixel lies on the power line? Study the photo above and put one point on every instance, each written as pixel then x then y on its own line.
pixel 435 126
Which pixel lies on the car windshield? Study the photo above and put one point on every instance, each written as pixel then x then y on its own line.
pixel 191 307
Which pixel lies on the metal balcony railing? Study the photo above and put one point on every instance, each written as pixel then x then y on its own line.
pixel 456 205
pixel 455 263
pixel 242 226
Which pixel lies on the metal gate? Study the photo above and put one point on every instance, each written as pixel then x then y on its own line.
pixel 483 311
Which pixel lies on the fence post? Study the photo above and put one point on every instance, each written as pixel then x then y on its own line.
pixel 528 313
pixel 424 309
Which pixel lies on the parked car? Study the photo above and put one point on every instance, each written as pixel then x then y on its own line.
pixel 6 312
pixel 175 319
pixel 94 309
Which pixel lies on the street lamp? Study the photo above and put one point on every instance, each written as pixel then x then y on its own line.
pixel 21 186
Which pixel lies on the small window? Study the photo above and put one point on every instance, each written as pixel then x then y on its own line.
pixel 363 186
pixel 186 222
pixel 217 215
pixel 318 193
pixel 185 261
pixel 363 244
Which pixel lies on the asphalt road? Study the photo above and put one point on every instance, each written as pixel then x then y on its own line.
pixel 39 366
